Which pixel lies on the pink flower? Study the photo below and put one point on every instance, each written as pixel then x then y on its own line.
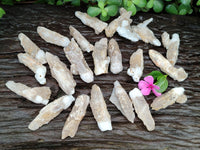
pixel 147 85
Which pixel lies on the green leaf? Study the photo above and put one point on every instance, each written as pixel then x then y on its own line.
pixel 59 2
pixel 184 9
pixel 150 4
pixel 171 9
pixel 76 2
pixel 145 9
pixel 133 9
pixel 125 3
pixel 155 74
pixel 162 83
pixel 140 3
pixel 198 3
pixel 112 10
pixel 186 2
pixel 158 6
pixel 129 3
pixel 106 18
pixel 168 0
pixel 85 1
pixel 114 2
pixel 93 11
pixel 51 2
pixel 67 1
pixel 190 11
pixel 2 12
pixel 7 2
pixel 101 3
pixel 104 13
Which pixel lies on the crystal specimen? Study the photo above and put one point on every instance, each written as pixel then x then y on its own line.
pixel 52 37
pixel 142 108
pixel 34 65
pixel 122 101
pixel 31 48
pixel 92 22
pixel 38 95
pixel 174 95
pixel 172 46
pixel 50 111
pixel 78 63
pixel 81 40
pixel 136 65
pixel 145 33
pixel 112 27
pixel 115 57
pixel 61 73
pixel 101 60
pixel 99 109
pixel 160 61
pixel 76 115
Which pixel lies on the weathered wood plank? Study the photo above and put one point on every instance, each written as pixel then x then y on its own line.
pixel 177 127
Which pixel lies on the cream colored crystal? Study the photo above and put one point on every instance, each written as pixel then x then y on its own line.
pixel 38 95
pixel 121 100
pixel 142 108
pixel 34 65
pixel 50 111
pixel 92 22
pixel 160 61
pixel 136 65
pixel 61 73
pixel 99 109
pixel 76 115
pixel 31 48
pixel 101 60
pixel 81 40
pixel 172 46
pixel 174 95
pixel 78 63
pixel 145 33
pixel 115 57
pixel 112 27
pixel 52 37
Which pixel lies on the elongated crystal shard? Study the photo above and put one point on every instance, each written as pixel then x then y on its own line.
pixel 92 22
pixel 76 115
pixel 38 95
pixel 174 95
pixel 78 63
pixel 31 48
pixel 115 57
pixel 121 100
pixel 142 108
pixel 61 73
pixel 160 61
pixel 50 111
pixel 34 65
pixel 136 65
pixel 81 40
pixel 172 46
pixel 52 37
pixel 101 60
pixel 99 109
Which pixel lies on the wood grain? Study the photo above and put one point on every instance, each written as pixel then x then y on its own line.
pixel 177 127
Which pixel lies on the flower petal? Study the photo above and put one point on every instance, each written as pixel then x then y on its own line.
pixel 156 87
pixel 149 79
pixel 156 93
pixel 142 84
pixel 145 91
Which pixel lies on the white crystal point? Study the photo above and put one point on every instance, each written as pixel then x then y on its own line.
pixel 31 48
pixel 52 37
pixel 136 65
pixel 142 108
pixel 76 115
pixel 99 109
pixel 121 100
pixel 174 95
pixel 78 63
pixel 38 95
pixel 101 60
pixel 50 111
pixel 61 73
pixel 160 61
pixel 34 65
pixel 115 57
pixel 92 22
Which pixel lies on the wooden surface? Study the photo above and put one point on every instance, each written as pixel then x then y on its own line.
pixel 177 127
